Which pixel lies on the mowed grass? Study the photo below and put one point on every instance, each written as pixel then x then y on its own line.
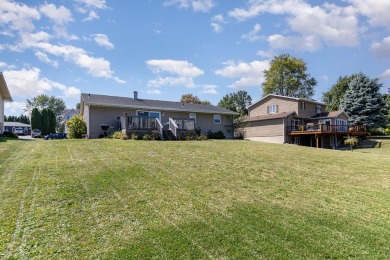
pixel 109 199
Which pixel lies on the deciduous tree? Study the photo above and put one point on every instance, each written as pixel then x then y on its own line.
pixel 334 96
pixel 238 102
pixel 287 76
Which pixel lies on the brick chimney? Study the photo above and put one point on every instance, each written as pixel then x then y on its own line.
pixel 135 95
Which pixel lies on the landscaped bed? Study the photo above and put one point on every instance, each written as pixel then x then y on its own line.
pixel 196 199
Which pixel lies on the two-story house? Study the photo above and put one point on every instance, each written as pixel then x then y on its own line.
pixel 4 96
pixel 281 119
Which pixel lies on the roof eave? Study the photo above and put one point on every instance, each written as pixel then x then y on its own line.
pixel 162 108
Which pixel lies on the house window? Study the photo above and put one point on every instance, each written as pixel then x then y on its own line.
pixel 318 109
pixel 342 125
pixel 217 119
pixel 193 116
pixel 295 123
pixel 153 114
pixel 302 105
pixel 68 117
pixel 272 109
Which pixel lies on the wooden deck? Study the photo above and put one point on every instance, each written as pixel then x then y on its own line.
pixel 322 129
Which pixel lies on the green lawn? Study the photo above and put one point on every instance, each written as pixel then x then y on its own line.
pixel 199 199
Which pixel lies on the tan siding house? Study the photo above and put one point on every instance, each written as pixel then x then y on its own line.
pixel 5 96
pixel 280 119
pixel 98 110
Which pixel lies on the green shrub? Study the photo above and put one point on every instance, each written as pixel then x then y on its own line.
pixel 147 137
pixel 190 137
pixel 77 127
pixel 351 141
pixel 387 131
pixel 134 136
pixel 10 135
pixel 118 135
pixel 201 137
pixel 155 135
pixel 215 135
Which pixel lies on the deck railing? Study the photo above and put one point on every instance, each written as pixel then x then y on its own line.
pixel 142 123
pixel 325 128
pixel 185 124
pixel 173 127
pixel 159 128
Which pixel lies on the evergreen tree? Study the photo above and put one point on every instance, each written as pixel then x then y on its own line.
pixel 363 102
pixel 52 121
pixel 45 122
pixel 36 120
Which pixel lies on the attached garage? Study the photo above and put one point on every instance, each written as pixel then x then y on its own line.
pixel 267 128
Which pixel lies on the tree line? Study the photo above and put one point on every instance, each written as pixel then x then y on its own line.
pixel 358 95
pixel 44 120
pixel 21 119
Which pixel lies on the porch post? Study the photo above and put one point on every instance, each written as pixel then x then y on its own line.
pixel 317 144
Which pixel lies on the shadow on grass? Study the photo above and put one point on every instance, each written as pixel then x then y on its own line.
pixel 254 231
pixel 5 139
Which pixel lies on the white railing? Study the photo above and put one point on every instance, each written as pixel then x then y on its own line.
pixel 173 127
pixel 159 128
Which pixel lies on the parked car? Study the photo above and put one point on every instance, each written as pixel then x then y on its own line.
pixel 18 131
pixel 55 136
pixel 36 133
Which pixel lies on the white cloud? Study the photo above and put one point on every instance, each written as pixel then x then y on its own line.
pixel 216 23
pixel 377 11
pixel 184 73
pixel 60 15
pixel 381 49
pixel 18 16
pixel 249 74
pixel 265 54
pixel 99 4
pixel 253 35
pixel 210 89
pixel 92 16
pixel 172 81
pixel 44 58
pixel 14 108
pixel 385 74
pixel 334 25
pixel 28 83
pixel 153 92
pixel 97 67
pixel 178 67
pixel 202 5
pixel 196 5
pixel 298 43
pixel 102 40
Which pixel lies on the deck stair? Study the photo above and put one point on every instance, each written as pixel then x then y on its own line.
pixel 168 135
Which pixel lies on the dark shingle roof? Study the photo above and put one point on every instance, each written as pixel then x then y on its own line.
pixel 112 101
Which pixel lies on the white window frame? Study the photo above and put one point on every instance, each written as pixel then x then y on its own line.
pixel 219 118
pixel 159 113
pixel 295 123
pixel 192 116
pixel 342 125
pixel 272 109
pixel 303 105
pixel 318 109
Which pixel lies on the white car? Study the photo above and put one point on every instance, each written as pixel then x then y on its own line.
pixel 18 131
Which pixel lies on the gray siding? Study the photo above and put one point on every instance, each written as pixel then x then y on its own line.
pixel 95 116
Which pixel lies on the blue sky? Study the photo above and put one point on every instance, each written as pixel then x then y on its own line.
pixel 166 48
